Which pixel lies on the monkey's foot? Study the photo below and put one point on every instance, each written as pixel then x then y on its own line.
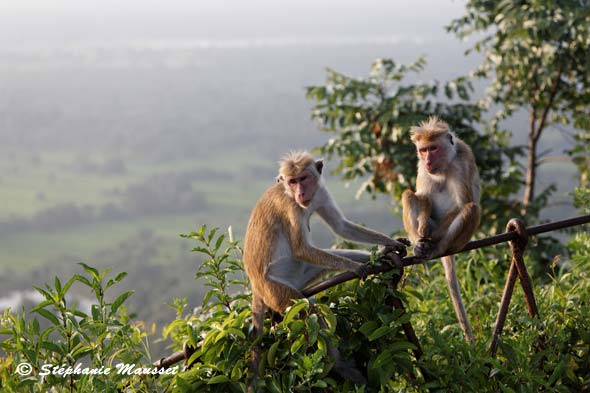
pixel 424 249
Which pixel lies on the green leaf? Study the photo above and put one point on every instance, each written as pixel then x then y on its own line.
pixel 218 379
pixel 68 284
pixel 313 328
pixel 219 242
pixel 57 285
pixel 82 279
pixel 48 315
pixel 95 309
pixel 52 347
pixel 41 305
pixel 294 310
pixel 329 316
pixel 380 332
pixel 368 327
pixel 272 351
pixel 297 344
pixel 119 300
pixel 90 270
pixel 557 372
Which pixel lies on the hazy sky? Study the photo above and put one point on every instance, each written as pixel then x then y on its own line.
pixel 34 23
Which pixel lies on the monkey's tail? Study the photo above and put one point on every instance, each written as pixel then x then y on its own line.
pixel 453 284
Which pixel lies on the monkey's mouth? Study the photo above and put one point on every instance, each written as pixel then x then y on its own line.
pixel 431 168
pixel 304 203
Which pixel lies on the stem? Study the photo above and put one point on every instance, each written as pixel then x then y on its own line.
pixel 534 135
pixel 531 169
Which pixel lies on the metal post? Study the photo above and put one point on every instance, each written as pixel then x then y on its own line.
pixel 517 268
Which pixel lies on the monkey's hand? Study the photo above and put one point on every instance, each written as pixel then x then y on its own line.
pixel 391 255
pixel 361 270
pixel 398 247
pixel 424 249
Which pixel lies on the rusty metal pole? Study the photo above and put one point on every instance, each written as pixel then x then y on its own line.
pixel 501 318
pixel 517 268
pixel 517 248
pixel 184 354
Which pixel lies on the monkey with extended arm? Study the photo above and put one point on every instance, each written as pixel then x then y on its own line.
pixel 278 255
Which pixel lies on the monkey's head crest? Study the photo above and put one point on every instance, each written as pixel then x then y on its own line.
pixel 429 130
pixel 295 162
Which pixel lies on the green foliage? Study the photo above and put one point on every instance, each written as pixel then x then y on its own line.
pixel 295 354
pixel 219 329
pixel 551 353
pixel 580 155
pixel 66 336
pixel 368 332
pixel 372 117
pixel 582 199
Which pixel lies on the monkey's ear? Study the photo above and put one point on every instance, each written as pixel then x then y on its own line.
pixel 451 139
pixel 279 178
pixel 319 165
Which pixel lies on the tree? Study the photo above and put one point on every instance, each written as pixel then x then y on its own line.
pixel 537 55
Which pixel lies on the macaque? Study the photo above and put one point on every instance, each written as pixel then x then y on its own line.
pixel 278 255
pixel 443 213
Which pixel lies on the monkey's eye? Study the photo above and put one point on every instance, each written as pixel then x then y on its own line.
pixel 302 178
pixel 292 181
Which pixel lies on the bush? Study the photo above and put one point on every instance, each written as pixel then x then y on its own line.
pixel 550 353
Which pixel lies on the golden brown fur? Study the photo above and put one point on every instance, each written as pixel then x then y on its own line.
pixel 443 213
pixel 278 257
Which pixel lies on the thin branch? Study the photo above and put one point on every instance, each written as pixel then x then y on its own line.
pixel 545 112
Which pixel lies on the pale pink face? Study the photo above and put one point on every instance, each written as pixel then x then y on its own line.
pixel 434 156
pixel 302 187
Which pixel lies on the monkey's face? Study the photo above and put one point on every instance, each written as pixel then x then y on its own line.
pixel 302 187
pixel 433 155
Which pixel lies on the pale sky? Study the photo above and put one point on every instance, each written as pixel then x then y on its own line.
pixel 34 23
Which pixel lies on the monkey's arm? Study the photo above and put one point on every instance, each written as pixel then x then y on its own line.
pixel 303 251
pixel 355 255
pixel 332 215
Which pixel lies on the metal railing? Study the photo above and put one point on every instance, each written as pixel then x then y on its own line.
pixel 516 234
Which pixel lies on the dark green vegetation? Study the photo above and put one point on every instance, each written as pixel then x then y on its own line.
pixel 359 321
pixel 138 189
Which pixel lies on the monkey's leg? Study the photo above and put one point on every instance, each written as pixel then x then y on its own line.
pixel 453 284
pixel 258 309
pixel 416 215
pixel 456 228
pixel 278 297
